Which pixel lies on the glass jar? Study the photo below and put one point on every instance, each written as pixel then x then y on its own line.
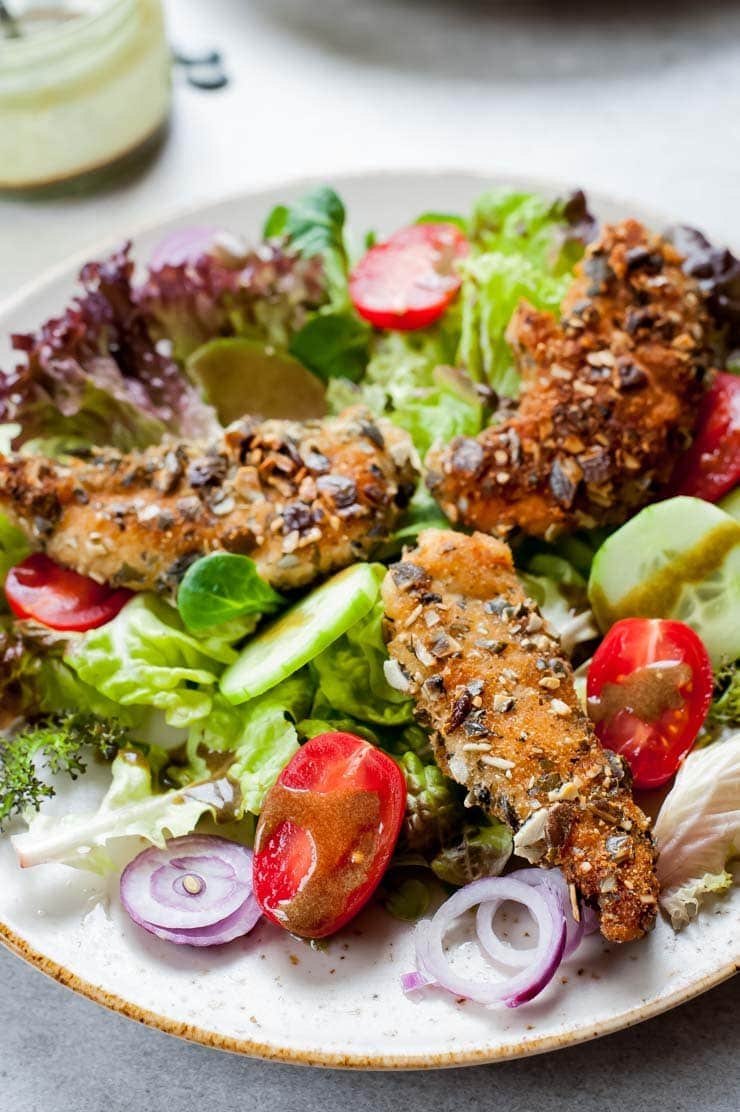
pixel 85 85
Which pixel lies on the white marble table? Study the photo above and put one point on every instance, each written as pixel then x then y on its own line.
pixel 634 99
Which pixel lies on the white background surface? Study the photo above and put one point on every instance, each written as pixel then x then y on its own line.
pixel 635 99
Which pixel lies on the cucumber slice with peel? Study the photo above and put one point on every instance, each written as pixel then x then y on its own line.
pixel 241 376
pixel 676 559
pixel 301 633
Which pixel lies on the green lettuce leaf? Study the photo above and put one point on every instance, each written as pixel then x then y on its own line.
pixel 406 382
pixel 269 738
pixel 524 246
pixel 58 688
pixel 34 678
pixel 258 737
pixel 145 657
pixel 131 808
pixel 350 680
pixel 550 235
pixel 334 340
pixel 257 741
pixel 312 727
pixel 493 285
pixel 222 587
pixel 13 548
pixel 482 850
pixel 434 809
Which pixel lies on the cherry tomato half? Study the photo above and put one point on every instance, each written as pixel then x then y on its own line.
pixel 649 688
pixel 711 467
pixel 61 599
pixel 408 281
pixel 326 834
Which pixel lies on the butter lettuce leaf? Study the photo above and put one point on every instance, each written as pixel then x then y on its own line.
pixel 522 246
pixel 130 808
pixel 145 657
pixel 552 235
pixel 493 285
pixel 258 738
pixel 257 741
pixel 350 680
pixel 269 738
pixel 405 381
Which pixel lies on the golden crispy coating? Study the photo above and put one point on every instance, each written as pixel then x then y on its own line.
pixel 608 397
pixel 497 694
pixel 300 499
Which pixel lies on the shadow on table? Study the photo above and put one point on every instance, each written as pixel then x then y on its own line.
pixel 511 40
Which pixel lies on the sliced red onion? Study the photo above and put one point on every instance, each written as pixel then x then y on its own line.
pixel 576 928
pixel 195 886
pixel 233 926
pixel 410 982
pixel 184 245
pixel 502 951
pixel 543 960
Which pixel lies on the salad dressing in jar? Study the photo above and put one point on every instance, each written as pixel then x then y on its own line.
pixel 84 87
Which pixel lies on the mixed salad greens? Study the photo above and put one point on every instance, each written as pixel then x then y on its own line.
pixel 203 706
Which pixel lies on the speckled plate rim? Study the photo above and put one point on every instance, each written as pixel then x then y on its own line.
pixel 253 1048
pixel 338 179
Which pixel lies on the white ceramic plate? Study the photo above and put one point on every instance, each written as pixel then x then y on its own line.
pixel 268 995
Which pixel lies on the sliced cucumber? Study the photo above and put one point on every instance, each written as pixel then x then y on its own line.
pixel 677 559
pixel 241 376
pixel 301 633
pixel 731 503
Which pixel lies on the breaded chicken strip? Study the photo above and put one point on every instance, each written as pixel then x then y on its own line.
pixel 609 396
pixel 496 693
pixel 300 499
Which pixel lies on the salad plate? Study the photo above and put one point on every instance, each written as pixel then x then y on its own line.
pixel 339 1002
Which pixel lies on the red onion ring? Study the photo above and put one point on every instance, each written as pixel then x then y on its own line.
pixel 233 926
pixel 410 982
pixel 196 890
pixel 575 928
pixel 542 962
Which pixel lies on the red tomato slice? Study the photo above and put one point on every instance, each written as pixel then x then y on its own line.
pixel 408 281
pixel 711 467
pixel 326 834
pixel 61 599
pixel 649 688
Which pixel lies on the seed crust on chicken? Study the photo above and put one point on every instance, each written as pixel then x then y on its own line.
pixel 609 395
pixel 301 499
pixel 496 693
